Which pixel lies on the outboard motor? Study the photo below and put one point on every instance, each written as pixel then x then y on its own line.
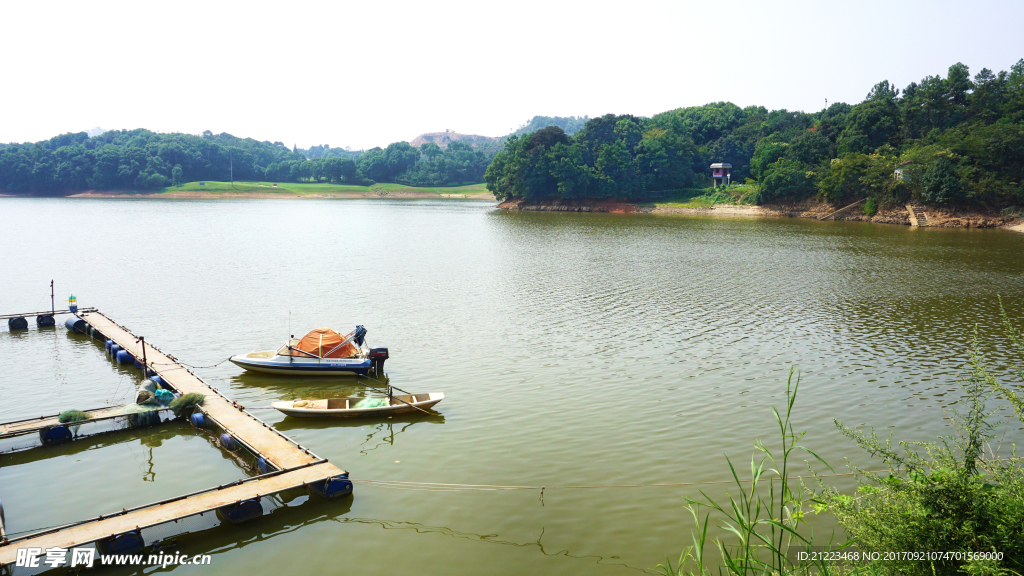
pixel 377 358
pixel 360 335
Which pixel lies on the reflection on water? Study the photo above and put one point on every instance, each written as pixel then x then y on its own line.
pixel 286 387
pixel 490 539
pixel 572 349
pixel 43 487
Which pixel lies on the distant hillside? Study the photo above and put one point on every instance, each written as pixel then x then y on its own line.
pixel 442 139
pixel 491 144
pixel 325 151
pixel 571 124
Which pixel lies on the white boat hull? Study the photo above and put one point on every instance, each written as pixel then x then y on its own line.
pixel 272 363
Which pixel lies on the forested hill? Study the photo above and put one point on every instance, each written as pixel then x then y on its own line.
pixel 138 160
pixel 943 141
pixel 146 161
pixel 569 124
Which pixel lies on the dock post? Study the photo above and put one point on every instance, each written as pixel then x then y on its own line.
pixel 145 365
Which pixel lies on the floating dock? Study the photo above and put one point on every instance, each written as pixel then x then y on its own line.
pixel 288 465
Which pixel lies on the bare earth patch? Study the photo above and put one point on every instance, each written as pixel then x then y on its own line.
pixel 943 218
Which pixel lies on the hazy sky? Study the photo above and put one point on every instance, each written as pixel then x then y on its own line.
pixel 363 74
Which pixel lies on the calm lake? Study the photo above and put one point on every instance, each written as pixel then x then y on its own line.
pixel 573 349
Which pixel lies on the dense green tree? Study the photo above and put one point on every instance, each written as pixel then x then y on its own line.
pixel 768 152
pixel 431 150
pixel 940 183
pixel 784 178
pixel 569 124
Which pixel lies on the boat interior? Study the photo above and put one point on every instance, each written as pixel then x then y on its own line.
pixel 349 402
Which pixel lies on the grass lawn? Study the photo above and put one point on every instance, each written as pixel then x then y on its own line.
pixel 708 197
pixel 308 188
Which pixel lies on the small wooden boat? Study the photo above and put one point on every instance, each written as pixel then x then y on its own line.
pixel 350 407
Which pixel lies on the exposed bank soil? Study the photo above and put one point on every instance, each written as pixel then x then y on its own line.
pixel 802 209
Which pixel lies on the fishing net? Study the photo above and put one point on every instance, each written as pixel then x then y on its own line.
pixel 129 416
pixel 72 416
pixel 186 402
pixel 371 403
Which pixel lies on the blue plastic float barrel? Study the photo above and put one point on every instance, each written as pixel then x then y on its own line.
pixel 156 378
pixel 263 466
pixel 241 511
pixel 18 323
pixel 127 543
pixel 125 357
pixel 228 442
pixel 75 324
pixel 332 488
pixel 108 344
pixel 199 420
pixel 45 321
pixel 138 363
pixel 54 435
pixel 114 349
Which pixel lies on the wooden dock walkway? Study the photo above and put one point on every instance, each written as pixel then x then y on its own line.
pixel 119 523
pixel 267 442
pixel 297 465
pixel 44 313
pixel 43 422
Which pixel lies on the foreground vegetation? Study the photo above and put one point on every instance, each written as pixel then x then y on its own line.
pixel 956 499
pixel 946 141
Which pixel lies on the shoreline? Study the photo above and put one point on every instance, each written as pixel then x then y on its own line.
pixel 282 195
pixel 936 218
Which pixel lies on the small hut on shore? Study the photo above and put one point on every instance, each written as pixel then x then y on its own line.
pixel 722 173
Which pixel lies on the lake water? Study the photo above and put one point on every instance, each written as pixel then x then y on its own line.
pixel 573 349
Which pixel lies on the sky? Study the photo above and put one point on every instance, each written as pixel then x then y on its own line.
pixel 364 74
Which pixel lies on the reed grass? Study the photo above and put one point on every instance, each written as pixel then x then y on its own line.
pixel 765 518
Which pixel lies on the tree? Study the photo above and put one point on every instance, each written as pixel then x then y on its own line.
pixel 431 150
pixel 784 178
pixel 940 183
pixel 177 178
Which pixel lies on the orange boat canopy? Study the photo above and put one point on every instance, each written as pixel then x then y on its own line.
pixel 321 341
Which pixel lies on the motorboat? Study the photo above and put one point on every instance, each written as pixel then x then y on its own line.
pixel 321 352
pixel 365 406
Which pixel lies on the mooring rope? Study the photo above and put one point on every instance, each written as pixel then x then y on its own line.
pixel 184 364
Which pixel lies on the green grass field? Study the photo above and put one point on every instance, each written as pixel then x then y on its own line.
pixel 708 197
pixel 308 189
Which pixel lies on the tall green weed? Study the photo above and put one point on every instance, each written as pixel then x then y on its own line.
pixel 954 495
